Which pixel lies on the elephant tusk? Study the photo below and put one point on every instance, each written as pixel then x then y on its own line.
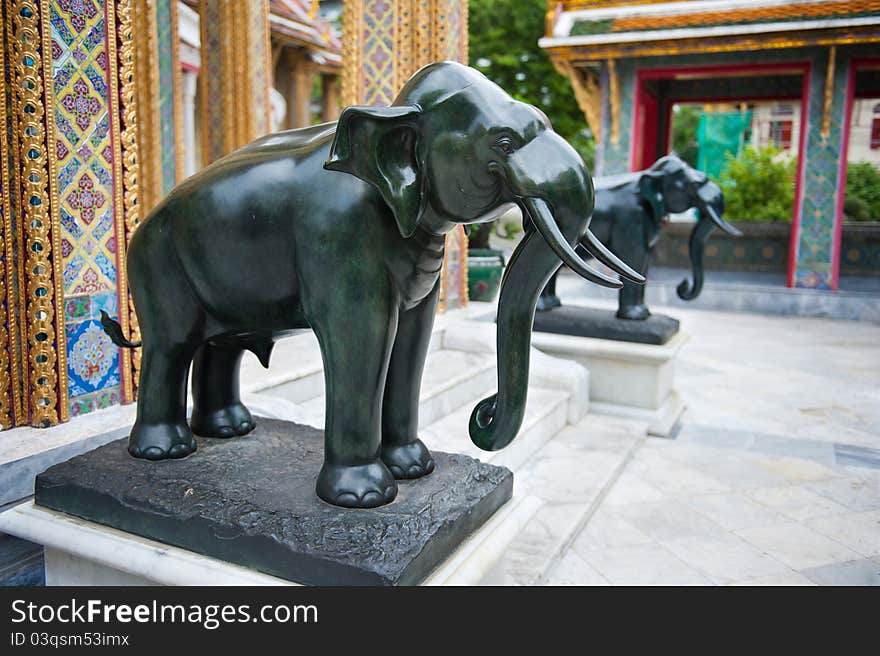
pixel 598 250
pixel 542 217
pixel 721 223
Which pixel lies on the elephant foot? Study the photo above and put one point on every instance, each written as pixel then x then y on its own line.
pixel 633 312
pixel 161 441
pixel 411 460
pixel 547 302
pixel 356 486
pixel 231 421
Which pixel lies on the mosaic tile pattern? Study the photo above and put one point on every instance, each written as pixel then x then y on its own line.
pixel 815 243
pixel 84 152
pixel 378 52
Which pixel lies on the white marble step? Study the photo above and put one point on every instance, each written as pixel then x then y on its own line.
pixel 545 416
pixel 451 379
pixel 571 475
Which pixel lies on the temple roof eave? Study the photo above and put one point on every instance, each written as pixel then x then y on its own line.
pixel 610 28
pixel 748 41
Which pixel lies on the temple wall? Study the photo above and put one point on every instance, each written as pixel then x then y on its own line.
pixel 384 43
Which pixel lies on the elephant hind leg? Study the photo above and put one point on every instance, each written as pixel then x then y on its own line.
pixel 217 407
pixel 160 431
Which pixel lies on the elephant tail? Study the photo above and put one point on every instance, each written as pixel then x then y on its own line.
pixel 114 331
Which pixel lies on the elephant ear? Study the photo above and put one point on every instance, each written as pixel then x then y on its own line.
pixel 379 146
pixel 651 190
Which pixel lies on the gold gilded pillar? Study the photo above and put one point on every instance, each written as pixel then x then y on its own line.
pixel 30 198
pixel 235 74
pixel 383 43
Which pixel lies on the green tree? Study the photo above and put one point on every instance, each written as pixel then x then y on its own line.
pixel 862 192
pixel 504 46
pixel 684 132
pixel 758 185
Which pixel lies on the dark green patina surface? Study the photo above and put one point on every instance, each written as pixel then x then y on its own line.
pixel 340 228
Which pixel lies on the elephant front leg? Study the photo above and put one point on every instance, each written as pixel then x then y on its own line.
pixel 355 338
pixel 217 407
pixel 631 302
pixel 402 451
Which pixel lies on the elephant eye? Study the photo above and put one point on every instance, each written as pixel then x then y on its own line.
pixel 505 146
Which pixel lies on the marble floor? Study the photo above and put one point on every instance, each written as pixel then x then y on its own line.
pixel 773 475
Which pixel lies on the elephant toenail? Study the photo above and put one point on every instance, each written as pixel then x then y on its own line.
pixel 371 500
pixel 180 450
pixel 225 431
pixel 134 451
pixel 429 466
pixel 245 427
pixel 390 493
pixel 414 470
pixel 153 453
pixel 396 471
pixel 347 500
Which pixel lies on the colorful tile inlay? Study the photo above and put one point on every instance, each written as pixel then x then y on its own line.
pixel 84 153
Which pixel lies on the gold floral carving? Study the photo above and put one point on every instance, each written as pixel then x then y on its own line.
pixel 13 246
pixel 36 177
pixel 587 93
pixel 6 377
pixel 130 171
pixel 352 21
pixel 583 53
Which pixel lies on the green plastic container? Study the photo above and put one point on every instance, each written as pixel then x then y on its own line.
pixel 485 267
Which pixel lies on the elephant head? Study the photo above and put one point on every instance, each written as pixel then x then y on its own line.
pixel 670 185
pixel 454 148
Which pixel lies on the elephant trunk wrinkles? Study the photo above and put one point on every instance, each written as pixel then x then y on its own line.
pixel 497 419
pixel 688 291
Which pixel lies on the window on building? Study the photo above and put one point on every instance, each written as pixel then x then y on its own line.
pixel 780 134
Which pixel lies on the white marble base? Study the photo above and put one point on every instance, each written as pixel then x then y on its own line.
pixel 626 379
pixel 79 552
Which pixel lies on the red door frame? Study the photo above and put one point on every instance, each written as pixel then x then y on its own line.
pixel 855 64
pixel 641 117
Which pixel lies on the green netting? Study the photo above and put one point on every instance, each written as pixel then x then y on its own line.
pixel 718 134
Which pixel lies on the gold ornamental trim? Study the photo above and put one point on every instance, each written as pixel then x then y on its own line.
pixel 130 171
pixel 352 22
pixel 575 53
pixel 807 11
pixel 829 94
pixel 114 106
pixel 38 319
pixel 6 362
pixel 587 93
pixel 146 72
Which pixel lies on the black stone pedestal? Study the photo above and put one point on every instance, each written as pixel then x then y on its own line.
pixel 251 501
pixel 604 324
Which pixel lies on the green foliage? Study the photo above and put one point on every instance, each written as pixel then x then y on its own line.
pixel 862 192
pixel 758 186
pixel 684 133
pixel 504 46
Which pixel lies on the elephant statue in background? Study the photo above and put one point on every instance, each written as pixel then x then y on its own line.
pixel 630 210
pixel 341 228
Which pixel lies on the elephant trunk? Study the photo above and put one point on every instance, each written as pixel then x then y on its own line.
pixel 496 420
pixel 688 291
